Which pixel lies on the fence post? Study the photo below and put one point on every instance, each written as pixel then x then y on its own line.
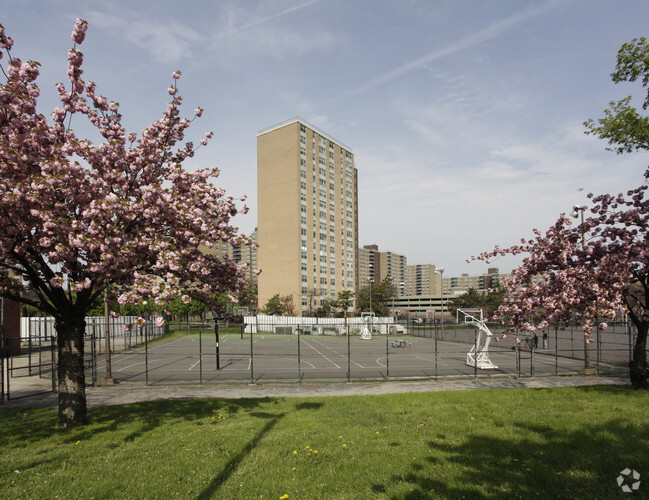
pixel 54 363
pixel 2 368
pixel 556 349
pixel 200 354
pixel 475 352
pixel 349 355
pixel 532 349
pixel 299 359
pixel 252 357
pixel 40 350
pixel 599 347
pixel 436 374
pixel 146 358
pixel 387 350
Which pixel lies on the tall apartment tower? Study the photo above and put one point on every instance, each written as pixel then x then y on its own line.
pixel 423 280
pixel 374 266
pixel 307 223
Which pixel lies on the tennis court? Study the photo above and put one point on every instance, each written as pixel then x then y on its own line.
pixel 193 359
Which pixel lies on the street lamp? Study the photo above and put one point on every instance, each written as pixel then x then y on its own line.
pixel 576 209
pixel 440 271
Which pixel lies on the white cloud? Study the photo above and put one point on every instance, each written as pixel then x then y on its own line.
pixel 167 41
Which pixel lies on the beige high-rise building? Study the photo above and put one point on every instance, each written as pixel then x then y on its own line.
pixel 307 226
pixel 423 280
pixel 375 266
pixel 240 254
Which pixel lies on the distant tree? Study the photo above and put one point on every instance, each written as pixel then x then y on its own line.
pixel 324 311
pixel 288 304
pixel 274 306
pixel 312 295
pixel 185 309
pixel 469 300
pixel 473 299
pixel 381 296
pixel 343 302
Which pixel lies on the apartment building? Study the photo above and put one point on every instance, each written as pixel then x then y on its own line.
pixel 241 254
pixel 375 266
pixel 482 283
pixel 423 280
pixel 307 225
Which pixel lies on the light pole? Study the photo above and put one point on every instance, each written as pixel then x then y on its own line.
pixel 576 210
pixel 440 271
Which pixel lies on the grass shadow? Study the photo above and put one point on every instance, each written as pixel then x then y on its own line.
pixel 531 460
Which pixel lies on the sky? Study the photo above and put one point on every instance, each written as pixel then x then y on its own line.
pixel 465 117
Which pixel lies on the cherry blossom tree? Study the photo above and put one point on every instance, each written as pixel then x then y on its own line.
pixel 78 217
pixel 592 271
pixel 586 272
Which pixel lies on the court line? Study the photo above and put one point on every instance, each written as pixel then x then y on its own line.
pixel 342 355
pixel 321 354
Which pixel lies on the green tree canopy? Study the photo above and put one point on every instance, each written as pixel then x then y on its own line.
pixel 274 306
pixel 622 126
pixel 380 296
pixel 473 299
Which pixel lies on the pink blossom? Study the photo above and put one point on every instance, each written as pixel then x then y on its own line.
pixel 79 32
pixel 115 212
pixel 176 75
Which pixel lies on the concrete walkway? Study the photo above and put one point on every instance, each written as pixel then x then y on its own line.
pixel 128 393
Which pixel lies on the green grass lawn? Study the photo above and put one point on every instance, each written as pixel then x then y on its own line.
pixel 518 443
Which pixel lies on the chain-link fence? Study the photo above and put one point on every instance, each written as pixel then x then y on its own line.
pixel 295 349
pixel 201 353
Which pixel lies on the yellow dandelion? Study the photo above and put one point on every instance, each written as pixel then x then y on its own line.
pixel 77 443
pixel 340 437
pixel 377 433
pixel 344 445
pixel 315 451
pixel 294 452
pixel 294 468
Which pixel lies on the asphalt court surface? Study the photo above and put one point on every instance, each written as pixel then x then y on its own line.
pixel 192 358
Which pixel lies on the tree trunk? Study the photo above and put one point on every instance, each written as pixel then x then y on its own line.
pixel 638 366
pixel 72 383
